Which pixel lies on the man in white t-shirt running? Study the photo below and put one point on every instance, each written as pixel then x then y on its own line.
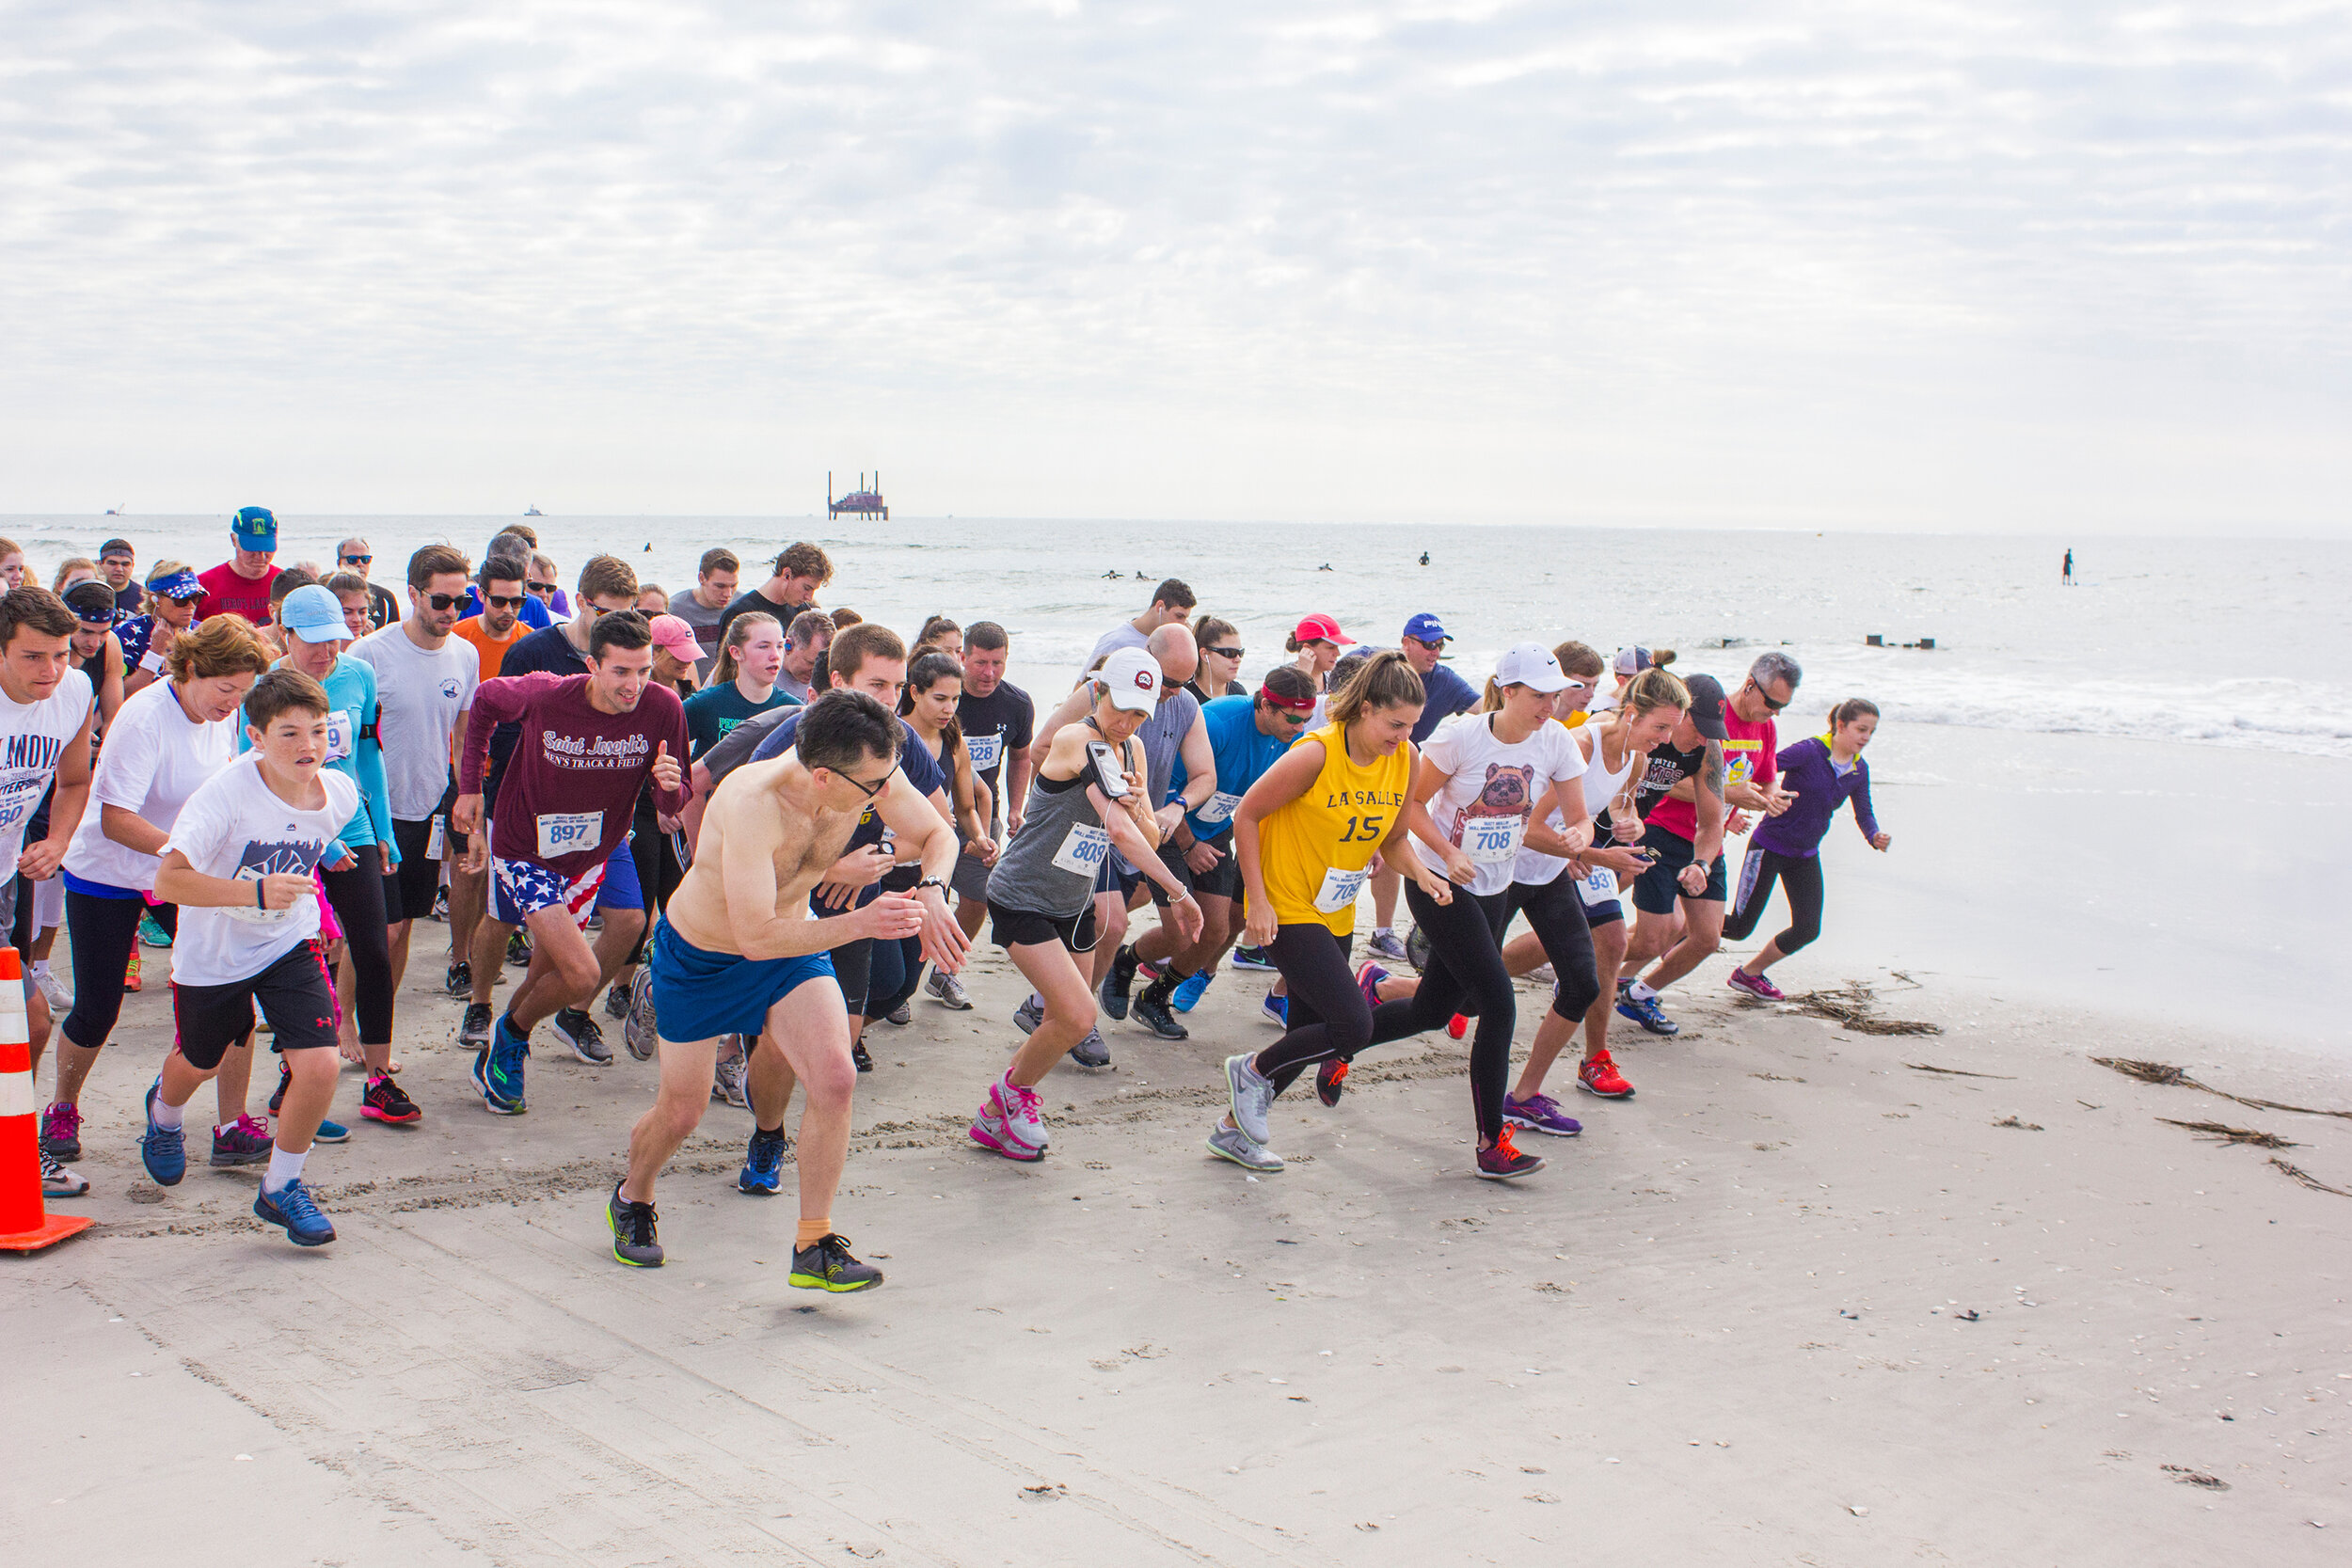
pixel 45 709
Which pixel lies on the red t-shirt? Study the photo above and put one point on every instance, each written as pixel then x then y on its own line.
pixel 227 594
pixel 570 789
pixel 1750 757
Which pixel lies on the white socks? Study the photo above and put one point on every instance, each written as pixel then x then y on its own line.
pixel 169 1117
pixel 1639 991
pixel 283 1167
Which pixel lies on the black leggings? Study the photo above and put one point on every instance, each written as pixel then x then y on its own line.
pixel 357 896
pixel 104 932
pixel 1799 874
pixel 1336 1020
pixel 1555 913
pixel 659 872
pixel 892 976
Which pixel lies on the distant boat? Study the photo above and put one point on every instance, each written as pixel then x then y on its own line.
pixel 533 512
pixel 864 502
pixel 114 511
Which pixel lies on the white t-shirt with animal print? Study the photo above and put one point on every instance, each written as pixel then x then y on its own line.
pixel 1486 804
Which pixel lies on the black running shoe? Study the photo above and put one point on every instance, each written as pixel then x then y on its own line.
pixel 1331 1080
pixel 1120 981
pixel 1156 1017
pixel 458 982
pixel 1417 950
pixel 825 1264
pixel 635 1237
pixel 858 1054
pixel 585 1034
pixel 517 950
pixel 616 1000
pixel 475 1030
pixel 440 905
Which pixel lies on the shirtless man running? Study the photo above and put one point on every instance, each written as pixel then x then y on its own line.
pixel 738 949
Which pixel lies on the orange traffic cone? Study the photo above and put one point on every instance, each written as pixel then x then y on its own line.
pixel 24 1222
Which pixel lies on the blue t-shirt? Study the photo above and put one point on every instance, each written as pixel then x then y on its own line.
pixel 1242 755
pixel 914 760
pixel 1446 693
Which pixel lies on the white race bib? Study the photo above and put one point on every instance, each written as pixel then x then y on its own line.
pixel 1083 850
pixel 338 736
pixel 1599 889
pixel 253 916
pixel 437 841
pixel 986 751
pixel 1217 808
pixel 568 833
pixel 1339 889
pixel 1491 840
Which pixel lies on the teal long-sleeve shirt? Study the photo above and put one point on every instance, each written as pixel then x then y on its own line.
pixel 352 750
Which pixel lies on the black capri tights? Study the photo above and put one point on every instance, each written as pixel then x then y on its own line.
pixel 104 932
pixel 1800 875
pixel 1329 1016
pixel 357 896
pixel 1556 914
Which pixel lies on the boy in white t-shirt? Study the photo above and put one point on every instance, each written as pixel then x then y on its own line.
pixel 239 864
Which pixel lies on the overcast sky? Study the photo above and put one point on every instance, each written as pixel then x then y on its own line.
pixel 1885 265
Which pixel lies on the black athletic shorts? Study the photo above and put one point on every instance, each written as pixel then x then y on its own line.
pixel 1656 889
pixel 1028 928
pixel 295 996
pixel 1223 880
pixel 1112 879
pixel 1172 859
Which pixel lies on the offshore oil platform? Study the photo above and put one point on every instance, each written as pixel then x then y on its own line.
pixel 864 502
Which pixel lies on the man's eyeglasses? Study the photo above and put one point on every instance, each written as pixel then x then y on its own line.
pixel 540 587
pixel 868 790
pixel 497 601
pixel 443 601
pixel 357 559
pixel 1224 652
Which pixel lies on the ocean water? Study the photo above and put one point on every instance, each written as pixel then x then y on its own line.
pixel 2246 644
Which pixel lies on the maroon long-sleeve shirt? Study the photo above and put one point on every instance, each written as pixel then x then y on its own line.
pixel 570 789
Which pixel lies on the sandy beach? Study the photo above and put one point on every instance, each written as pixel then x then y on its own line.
pixel 1800 1301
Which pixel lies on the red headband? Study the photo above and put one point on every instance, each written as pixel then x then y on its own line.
pixel 1295 705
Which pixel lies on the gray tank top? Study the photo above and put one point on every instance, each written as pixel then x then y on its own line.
pixel 1050 866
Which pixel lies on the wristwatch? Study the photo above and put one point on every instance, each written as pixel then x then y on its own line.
pixel 939 883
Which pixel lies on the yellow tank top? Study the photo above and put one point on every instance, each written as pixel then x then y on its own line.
pixel 1314 852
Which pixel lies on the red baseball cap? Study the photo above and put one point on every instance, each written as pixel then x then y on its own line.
pixel 1321 628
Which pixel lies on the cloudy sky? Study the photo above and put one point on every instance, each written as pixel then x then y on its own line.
pixel 1899 264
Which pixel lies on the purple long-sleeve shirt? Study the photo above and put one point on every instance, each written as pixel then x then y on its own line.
pixel 1804 767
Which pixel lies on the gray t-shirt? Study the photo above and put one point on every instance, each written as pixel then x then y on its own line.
pixel 421 697
pixel 1162 736
pixel 1120 635
pixel 705 621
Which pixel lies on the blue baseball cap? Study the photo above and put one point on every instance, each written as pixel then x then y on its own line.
pixel 179 584
pixel 315 615
pixel 1426 627
pixel 254 528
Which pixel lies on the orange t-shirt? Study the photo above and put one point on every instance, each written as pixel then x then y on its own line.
pixel 492 649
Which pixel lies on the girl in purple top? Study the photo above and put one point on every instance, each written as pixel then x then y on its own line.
pixel 1823 773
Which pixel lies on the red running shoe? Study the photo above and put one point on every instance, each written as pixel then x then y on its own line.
pixel 1599 1075
pixel 1503 1162
pixel 1457 1026
pixel 1331 1081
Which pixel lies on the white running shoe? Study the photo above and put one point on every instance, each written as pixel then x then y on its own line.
pixel 945 990
pixel 60 999
pixel 731 1082
pixel 58 1182
pixel 1231 1143
pixel 1252 1095
pixel 1023 1110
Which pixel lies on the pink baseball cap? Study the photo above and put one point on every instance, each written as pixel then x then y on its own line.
pixel 1321 628
pixel 673 636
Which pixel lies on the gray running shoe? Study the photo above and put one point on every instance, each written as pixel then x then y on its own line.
pixel 616 1000
pixel 732 1081
pixel 1029 1016
pixel 638 1029
pixel 635 1237
pixel 1156 1018
pixel 1231 1143
pixel 585 1034
pixel 900 1015
pixel 475 1031
pixel 58 1182
pixel 1091 1051
pixel 945 990
pixel 1385 945
pixel 1252 1095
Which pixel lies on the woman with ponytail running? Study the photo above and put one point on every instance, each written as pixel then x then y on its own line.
pixel 1823 772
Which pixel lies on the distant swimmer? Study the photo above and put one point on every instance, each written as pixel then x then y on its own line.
pixel 1113 573
pixel 2066 574
pixel 1325 567
pixel 1425 557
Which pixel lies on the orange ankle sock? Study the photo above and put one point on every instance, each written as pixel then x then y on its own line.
pixel 813 1232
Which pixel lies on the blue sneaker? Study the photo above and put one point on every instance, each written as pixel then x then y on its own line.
pixel 1250 958
pixel 152 933
pixel 290 1207
pixel 1278 1010
pixel 763 1167
pixel 162 1152
pixel 332 1133
pixel 1645 1012
pixel 1190 993
pixel 497 1070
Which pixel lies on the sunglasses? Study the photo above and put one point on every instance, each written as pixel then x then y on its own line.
pixel 540 587
pixel 868 790
pixel 500 601
pixel 442 601
pixel 1224 652
pixel 1766 697
pixel 1287 717
pixel 357 559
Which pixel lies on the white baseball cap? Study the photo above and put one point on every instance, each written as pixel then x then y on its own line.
pixel 1131 678
pixel 1531 664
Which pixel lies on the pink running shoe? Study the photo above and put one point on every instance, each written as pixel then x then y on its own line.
pixel 1368 978
pixel 992 1129
pixel 61 1131
pixel 1755 985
